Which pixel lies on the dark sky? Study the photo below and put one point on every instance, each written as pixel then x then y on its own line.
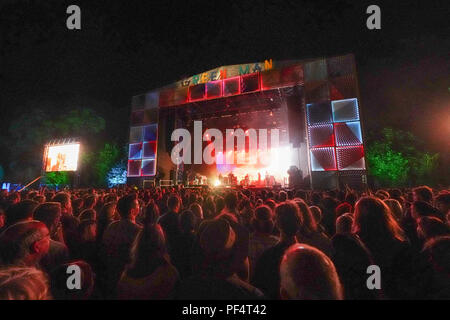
pixel 128 47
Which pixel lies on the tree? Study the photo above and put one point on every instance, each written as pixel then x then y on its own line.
pixel 398 158
pixel 32 130
pixel 117 174
pixel 387 165
pixel 56 178
pixel 106 159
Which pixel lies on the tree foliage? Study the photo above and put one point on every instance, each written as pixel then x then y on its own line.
pixel 105 160
pixel 117 174
pixel 397 158
pixel 56 178
pixel 30 131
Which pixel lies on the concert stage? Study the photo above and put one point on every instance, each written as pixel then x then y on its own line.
pixel 311 106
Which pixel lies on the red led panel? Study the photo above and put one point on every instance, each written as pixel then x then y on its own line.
pixel 134 168
pixel 323 159
pixel 321 136
pixel 343 87
pixel 231 86
pixel 197 92
pixel 149 150
pixel 270 79
pixel 250 83
pixel 350 158
pixel 214 89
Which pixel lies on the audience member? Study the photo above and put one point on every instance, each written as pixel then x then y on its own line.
pixel 306 273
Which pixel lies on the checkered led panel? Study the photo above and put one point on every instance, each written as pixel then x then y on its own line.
pixel 143 141
pixel 333 120
pixel 344 138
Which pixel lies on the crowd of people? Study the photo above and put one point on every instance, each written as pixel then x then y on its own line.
pixel 225 243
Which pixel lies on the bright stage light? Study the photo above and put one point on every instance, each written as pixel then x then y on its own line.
pixel 62 157
pixel 277 164
pixel 217 183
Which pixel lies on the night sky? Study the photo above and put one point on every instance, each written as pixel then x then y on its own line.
pixel 129 47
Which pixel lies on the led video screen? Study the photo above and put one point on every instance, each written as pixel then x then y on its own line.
pixel 62 157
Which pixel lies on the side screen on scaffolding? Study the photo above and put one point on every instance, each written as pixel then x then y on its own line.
pixel 62 157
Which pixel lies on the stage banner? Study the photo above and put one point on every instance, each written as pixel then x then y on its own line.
pixel 225 72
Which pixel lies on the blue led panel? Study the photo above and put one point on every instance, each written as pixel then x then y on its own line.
pixel 151 132
pixel 345 110
pixel 148 167
pixel 348 133
pixel 135 151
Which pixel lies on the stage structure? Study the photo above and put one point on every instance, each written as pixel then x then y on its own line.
pixel 314 104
